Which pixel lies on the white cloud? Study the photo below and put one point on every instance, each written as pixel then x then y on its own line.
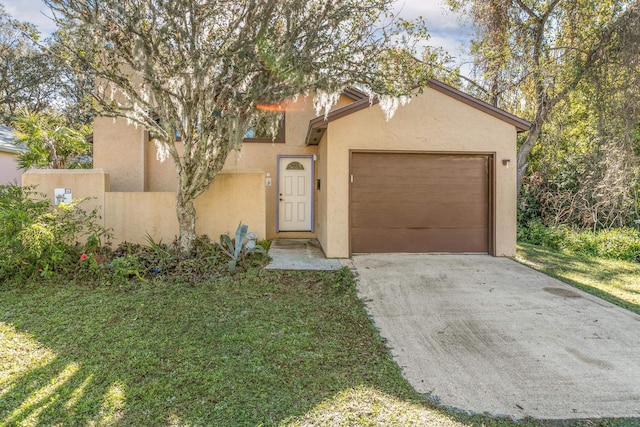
pixel 33 11
pixel 447 30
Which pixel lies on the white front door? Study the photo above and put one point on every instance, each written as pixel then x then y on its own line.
pixel 295 193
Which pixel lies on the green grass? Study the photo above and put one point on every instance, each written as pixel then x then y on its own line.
pixel 255 348
pixel 615 281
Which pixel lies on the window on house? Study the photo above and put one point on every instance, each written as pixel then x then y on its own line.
pixel 260 131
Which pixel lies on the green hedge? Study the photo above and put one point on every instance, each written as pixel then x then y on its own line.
pixel 615 243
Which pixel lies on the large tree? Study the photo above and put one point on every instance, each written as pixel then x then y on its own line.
pixel 193 72
pixel 32 77
pixel 531 55
pixel 24 73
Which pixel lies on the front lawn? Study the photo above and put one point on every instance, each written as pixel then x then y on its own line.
pixel 255 348
pixel 612 280
pixel 259 347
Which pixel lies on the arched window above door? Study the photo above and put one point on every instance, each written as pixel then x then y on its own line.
pixel 295 166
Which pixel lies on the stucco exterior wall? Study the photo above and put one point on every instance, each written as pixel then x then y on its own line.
pixel 264 156
pixel 322 194
pixel 131 215
pixel 9 171
pixel 234 197
pixel 120 150
pixel 432 122
pixel 125 153
pixel 161 176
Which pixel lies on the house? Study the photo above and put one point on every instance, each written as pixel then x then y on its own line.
pixel 10 172
pixel 440 176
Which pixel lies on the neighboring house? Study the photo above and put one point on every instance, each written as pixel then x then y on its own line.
pixel 10 173
pixel 440 176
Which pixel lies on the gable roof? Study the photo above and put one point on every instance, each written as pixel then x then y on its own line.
pixel 8 141
pixel 318 125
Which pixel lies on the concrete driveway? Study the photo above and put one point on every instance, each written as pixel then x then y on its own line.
pixel 489 335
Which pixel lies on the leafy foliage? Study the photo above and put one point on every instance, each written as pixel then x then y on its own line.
pixel 38 241
pixel 39 244
pixel 531 56
pixel 33 77
pixel 51 143
pixel 619 244
pixel 200 69
pixel 24 71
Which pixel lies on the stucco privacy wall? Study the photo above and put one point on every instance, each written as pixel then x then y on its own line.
pixel 84 183
pixel 232 198
pixel 431 122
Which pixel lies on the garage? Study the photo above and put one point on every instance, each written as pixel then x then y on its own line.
pixel 421 202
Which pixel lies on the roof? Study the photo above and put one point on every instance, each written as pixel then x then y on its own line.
pixel 318 125
pixel 8 141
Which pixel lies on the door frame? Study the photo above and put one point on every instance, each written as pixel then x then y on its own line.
pixel 311 191
pixel 491 163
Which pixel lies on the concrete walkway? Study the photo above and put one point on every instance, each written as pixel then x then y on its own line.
pixel 299 254
pixel 489 335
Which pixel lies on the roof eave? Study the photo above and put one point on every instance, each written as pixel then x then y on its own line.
pixel 318 125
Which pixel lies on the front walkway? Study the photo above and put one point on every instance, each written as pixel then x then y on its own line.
pixel 299 254
pixel 486 334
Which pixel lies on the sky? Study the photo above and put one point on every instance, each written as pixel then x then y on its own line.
pixel 447 31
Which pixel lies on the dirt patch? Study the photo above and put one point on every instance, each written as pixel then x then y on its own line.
pixel 561 292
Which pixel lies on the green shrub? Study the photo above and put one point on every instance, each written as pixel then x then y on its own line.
pixel 536 233
pixel 41 242
pixel 38 240
pixel 123 268
pixel 614 243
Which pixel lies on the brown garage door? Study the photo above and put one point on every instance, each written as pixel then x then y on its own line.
pixel 414 202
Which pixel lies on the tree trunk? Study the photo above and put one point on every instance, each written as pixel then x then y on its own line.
pixel 54 155
pixel 523 155
pixel 186 212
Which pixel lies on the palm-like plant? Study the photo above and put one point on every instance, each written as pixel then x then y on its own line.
pixel 50 142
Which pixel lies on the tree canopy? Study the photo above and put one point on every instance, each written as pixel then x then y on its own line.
pixel 199 69
pixel 32 77
pixel 23 78
pixel 532 55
